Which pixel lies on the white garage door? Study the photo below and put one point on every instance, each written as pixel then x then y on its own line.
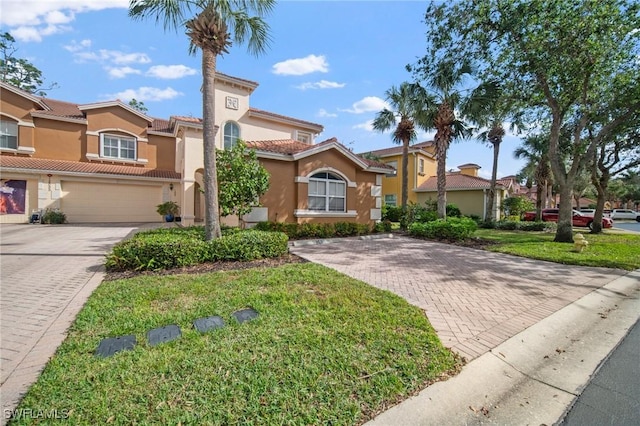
pixel 113 202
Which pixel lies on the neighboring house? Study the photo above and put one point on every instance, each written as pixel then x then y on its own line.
pixel 107 162
pixel 421 166
pixel 465 189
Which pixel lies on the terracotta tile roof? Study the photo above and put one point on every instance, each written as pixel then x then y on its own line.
pixel 161 125
pixel 308 123
pixel 12 162
pixel 252 83
pixel 187 119
pixel 61 109
pixel 457 181
pixel 398 149
pixel 281 146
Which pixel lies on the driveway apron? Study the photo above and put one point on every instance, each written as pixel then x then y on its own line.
pixel 47 274
pixel 473 298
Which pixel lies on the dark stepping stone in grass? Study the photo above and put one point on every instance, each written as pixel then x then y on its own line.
pixel 163 334
pixel 209 323
pixel 113 345
pixel 245 315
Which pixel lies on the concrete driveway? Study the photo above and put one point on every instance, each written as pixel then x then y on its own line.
pixel 474 299
pixel 47 274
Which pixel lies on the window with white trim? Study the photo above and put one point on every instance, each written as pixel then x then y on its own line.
pixel 327 193
pixel 116 146
pixel 8 134
pixel 303 137
pixel 231 134
pixel 390 200
pixel 421 166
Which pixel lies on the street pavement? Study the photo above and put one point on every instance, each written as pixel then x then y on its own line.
pixel 612 397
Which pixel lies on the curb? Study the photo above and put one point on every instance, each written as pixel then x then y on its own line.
pixel 536 375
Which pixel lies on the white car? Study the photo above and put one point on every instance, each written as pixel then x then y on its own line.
pixel 617 214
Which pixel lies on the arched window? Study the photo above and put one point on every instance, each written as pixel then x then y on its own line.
pixel 231 134
pixel 327 193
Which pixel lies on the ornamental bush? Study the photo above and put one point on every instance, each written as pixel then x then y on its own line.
pixel 315 230
pixel 179 247
pixel 454 229
pixel 54 217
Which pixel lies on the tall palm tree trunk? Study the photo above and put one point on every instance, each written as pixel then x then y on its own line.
pixel 490 208
pixel 211 219
pixel 405 175
pixel 441 180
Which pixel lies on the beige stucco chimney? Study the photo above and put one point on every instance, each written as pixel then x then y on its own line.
pixel 469 169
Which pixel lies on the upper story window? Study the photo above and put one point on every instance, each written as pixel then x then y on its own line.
pixel 8 134
pixel 231 134
pixel 327 193
pixel 115 146
pixel 303 137
pixel 393 164
pixel 421 166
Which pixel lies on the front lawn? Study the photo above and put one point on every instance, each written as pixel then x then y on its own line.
pixel 609 249
pixel 325 349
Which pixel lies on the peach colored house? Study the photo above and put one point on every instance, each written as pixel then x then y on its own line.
pixel 107 162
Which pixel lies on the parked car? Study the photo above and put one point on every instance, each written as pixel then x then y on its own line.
pixel 579 219
pixel 625 214
pixel 588 212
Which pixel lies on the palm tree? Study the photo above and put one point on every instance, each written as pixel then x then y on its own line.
pixel 493 136
pixel 535 150
pixel 212 26
pixel 406 104
pixel 445 95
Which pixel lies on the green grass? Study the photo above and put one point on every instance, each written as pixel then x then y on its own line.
pixel 610 249
pixel 326 349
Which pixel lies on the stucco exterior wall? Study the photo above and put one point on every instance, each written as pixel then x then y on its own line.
pixel 393 185
pixel 60 140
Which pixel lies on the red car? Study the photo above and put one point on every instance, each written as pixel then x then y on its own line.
pixel 579 219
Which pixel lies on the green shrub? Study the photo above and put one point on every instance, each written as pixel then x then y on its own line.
pixel 453 211
pixel 178 247
pixel 384 226
pixel 507 225
pixel 54 217
pixel 537 226
pixel 391 213
pixel 315 230
pixel 248 245
pixel 450 229
pixel 487 224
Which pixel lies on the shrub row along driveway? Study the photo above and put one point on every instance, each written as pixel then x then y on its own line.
pixel 48 272
pixel 474 299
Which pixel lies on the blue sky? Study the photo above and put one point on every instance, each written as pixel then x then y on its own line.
pixel 330 62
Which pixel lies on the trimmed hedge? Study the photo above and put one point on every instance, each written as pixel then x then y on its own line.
pixel 315 230
pixel 179 247
pixel 450 229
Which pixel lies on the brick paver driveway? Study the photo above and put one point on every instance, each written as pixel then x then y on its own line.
pixel 474 299
pixel 47 273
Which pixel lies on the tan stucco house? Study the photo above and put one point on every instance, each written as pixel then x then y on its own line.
pixel 107 162
pixel 466 190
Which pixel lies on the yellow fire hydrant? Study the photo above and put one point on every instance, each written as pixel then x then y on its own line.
pixel 580 243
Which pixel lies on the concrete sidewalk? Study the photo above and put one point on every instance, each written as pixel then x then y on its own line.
pixel 533 377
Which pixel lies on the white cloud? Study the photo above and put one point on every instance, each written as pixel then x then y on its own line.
pixel 322 84
pixel 367 125
pixel 367 104
pixel 146 94
pixel 301 66
pixel 170 72
pixel 325 114
pixel 113 56
pixel 78 46
pixel 31 20
pixel 121 72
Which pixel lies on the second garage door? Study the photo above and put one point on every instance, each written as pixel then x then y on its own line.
pixel 84 202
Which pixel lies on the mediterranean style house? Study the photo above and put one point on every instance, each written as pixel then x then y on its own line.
pixel 465 188
pixel 107 162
